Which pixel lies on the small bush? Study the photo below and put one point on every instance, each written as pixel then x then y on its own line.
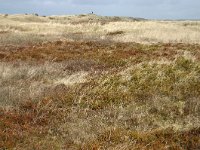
pixel 6 15
pixel 115 33
pixel 51 18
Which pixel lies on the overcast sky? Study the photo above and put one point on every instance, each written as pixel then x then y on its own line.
pixel 150 9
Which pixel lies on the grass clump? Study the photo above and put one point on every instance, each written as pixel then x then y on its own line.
pixel 178 81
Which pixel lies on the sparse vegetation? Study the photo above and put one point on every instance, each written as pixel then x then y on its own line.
pixel 73 86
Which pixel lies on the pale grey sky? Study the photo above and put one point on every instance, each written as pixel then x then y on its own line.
pixel 150 9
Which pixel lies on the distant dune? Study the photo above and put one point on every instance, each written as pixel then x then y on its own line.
pixel 35 28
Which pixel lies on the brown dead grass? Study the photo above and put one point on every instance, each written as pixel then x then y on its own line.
pixel 32 119
pixel 17 125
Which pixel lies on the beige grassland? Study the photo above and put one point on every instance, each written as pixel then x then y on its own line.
pixel 31 28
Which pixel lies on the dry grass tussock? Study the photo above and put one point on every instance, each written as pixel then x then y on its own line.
pixel 82 82
pixel 22 81
pixel 23 29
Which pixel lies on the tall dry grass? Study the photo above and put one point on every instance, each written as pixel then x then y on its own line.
pixel 77 27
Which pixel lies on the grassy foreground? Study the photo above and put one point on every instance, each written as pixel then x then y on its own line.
pixel 98 94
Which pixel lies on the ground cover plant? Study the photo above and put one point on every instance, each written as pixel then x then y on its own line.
pixel 73 88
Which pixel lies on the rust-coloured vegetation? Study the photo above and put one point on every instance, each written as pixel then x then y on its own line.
pixel 17 125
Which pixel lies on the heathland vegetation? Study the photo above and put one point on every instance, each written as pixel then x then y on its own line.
pixel 93 82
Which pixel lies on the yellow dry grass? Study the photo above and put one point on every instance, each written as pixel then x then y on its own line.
pixel 96 28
